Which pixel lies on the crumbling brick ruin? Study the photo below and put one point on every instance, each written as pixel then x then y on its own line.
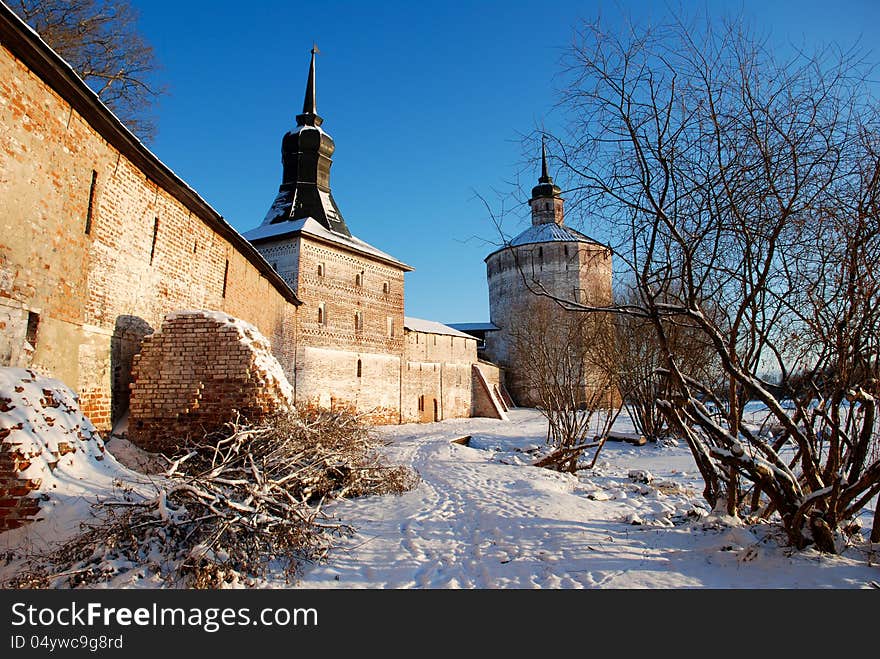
pixel 196 374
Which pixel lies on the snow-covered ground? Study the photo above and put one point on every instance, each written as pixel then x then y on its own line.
pixel 483 518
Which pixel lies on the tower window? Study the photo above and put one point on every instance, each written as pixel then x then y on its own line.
pixel 359 321
pixel 91 202
pixel 322 317
pixel 320 269
pixel 540 253
pixel 32 325
pixel 225 277
pixel 390 325
pixel 359 368
pixel 359 279
pixel 386 287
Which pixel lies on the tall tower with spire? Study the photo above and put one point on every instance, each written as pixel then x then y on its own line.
pixel 350 345
pixel 547 257
pixel 306 158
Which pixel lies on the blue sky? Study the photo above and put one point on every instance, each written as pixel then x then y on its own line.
pixel 427 103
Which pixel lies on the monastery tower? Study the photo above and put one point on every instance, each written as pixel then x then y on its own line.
pixel 350 338
pixel 550 256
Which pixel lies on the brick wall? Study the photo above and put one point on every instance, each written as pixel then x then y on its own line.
pixel 45 441
pixel 150 249
pixel 16 507
pixel 343 284
pixel 196 373
pixel 487 396
pixel 569 270
pixel 438 372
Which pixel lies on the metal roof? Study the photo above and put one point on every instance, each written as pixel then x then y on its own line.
pixel 432 327
pixel 549 232
pixel 474 327
pixel 311 227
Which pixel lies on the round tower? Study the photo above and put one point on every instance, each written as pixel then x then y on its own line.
pixel 548 257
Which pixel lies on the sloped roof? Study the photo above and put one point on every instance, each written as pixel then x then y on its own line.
pixel 311 227
pixel 474 327
pixel 547 233
pixel 23 42
pixel 432 327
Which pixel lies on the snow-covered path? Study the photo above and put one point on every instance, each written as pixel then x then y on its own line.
pixel 476 522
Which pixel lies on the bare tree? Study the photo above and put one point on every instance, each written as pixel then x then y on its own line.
pixel 743 192
pixel 101 42
pixel 568 362
pixel 641 380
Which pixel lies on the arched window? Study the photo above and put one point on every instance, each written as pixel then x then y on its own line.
pixel 359 280
pixel 359 368
pixel 321 316
pixel 320 269
pixel 359 320
pixel 386 287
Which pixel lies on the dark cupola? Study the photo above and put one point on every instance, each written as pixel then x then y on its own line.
pixel 306 153
pixel 547 205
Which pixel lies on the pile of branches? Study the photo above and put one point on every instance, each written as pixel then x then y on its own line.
pixel 230 507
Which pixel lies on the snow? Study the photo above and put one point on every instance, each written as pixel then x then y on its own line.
pixel 483 517
pixel 250 336
pixel 43 415
pixel 310 226
pixel 547 233
pixel 432 327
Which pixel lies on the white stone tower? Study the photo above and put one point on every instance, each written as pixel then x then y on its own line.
pixel 547 256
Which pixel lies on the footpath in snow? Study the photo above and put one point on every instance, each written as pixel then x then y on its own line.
pixel 483 518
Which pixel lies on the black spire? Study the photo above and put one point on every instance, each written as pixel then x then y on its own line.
pixel 306 153
pixel 545 187
pixel 547 205
pixel 544 178
pixel 309 116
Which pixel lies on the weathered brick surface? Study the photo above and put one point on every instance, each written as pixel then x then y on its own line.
pixel 343 284
pixel 196 374
pixel 91 289
pixel 40 423
pixel 437 380
pixel 16 505
pixel 488 400
pixel 575 271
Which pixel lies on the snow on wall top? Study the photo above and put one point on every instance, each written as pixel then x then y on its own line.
pixel 432 327
pixel 249 335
